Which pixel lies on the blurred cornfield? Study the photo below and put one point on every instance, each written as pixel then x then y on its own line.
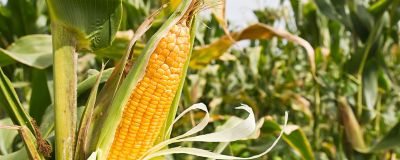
pixel 343 104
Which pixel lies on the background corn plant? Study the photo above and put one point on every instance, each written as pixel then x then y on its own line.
pixel 345 108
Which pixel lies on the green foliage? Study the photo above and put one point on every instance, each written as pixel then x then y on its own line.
pixel 32 50
pixel 93 24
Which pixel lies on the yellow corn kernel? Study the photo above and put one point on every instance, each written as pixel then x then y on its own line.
pixel 149 103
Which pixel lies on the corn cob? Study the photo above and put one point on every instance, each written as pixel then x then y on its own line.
pixel 149 103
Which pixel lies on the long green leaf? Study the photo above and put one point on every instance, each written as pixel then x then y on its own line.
pixel 389 141
pixel 86 120
pixel 11 104
pixel 40 98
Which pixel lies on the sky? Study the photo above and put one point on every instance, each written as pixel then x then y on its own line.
pixel 240 12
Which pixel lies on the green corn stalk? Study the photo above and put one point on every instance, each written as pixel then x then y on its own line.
pixel 76 25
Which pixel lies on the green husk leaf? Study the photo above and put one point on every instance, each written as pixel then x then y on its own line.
pixel 86 119
pixel 131 80
pixel 107 94
pixel 91 80
pixel 247 127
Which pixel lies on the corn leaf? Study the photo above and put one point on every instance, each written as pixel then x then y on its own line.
pixel 20 154
pixel 118 46
pixel 33 50
pixel 370 87
pixel 91 80
pixel 379 7
pixel 40 98
pixel 390 141
pixel 293 136
pixel 47 125
pixel 11 104
pixel 6 137
pixel 93 24
pixel 205 54
pixel 218 10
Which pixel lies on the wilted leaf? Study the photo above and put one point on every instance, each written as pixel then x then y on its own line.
pixel 353 130
pixel 218 10
pixel 204 55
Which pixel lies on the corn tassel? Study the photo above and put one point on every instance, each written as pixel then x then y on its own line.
pixel 149 103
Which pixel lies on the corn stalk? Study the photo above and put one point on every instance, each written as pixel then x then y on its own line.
pixel 76 25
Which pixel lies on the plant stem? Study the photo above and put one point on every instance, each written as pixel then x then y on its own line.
pixel 372 38
pixel 65 91
pixel 359 95
pixel 317 101
pixel 378 111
